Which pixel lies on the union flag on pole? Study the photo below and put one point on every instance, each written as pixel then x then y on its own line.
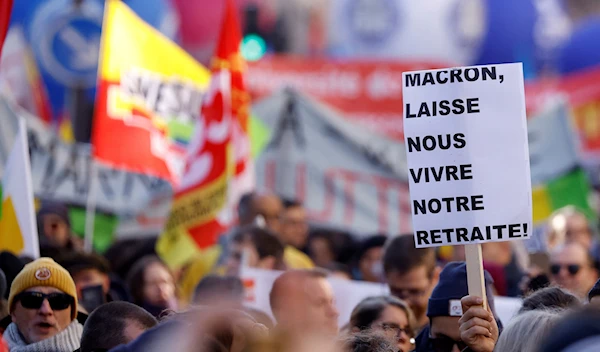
pixel 203 191
pixel 227 102
pixel 227 58
pixel 149 97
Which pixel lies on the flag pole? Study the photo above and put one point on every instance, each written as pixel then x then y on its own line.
pixel 90 209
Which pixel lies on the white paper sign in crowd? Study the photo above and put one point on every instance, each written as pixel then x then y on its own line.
pixel 466 141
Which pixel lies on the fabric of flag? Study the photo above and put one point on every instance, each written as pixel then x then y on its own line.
pixel 570 189
pixel 556 175
pixel 20 74
pixel 149 96
pixel 227 57
pixel 5 11
pixel 203 190
pixel 18 227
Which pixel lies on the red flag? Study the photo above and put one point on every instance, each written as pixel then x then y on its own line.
pixel 148 98
pixel 5 11
pixel 228 58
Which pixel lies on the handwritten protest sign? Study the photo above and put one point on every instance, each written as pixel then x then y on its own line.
pixel 467 154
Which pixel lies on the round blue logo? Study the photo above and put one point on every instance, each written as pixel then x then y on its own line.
pixel 68 42
pixel 373 22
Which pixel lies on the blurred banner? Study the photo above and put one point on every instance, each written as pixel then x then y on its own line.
pixel 258 284
pixel 354 179
pixel 370 94
pixel 149 97
pixel 462 32
pixel 65 38
pixel 583 96
pixel 347 176
pixel 61 173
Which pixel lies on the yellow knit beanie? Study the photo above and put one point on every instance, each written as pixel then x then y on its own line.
pixel 44 272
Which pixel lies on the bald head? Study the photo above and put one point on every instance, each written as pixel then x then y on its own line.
pixel 303 299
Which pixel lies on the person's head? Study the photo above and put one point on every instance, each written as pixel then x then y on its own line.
pixel 321 248
pixel 326 245
pixel 594 294
pixel 152 285
pixel 569 225
pixel 42 300
pixel 368 342
pixel 54 226
pixel 262 249
pixel 303 300
pixel 445 309
pixel 527 331
pixel 216 289
pixel 87 270
pixel 369 258
pixel 113 324
pixel 550 298
pixel 573 268
pixel 294 225
pixel 578 331
pixel 411 273
pixel 266 204
pixel 387 315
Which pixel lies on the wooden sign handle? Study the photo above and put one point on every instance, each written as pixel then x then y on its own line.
pixel 475 277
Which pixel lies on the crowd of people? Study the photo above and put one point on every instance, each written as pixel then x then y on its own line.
pixel 127 299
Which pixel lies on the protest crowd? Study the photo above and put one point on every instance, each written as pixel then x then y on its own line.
pixel 301 192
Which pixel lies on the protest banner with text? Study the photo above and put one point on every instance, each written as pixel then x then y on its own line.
pixel 149 97
pixel 467 155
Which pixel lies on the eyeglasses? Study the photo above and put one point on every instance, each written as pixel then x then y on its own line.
pixel 573 269
pixel 34 300
pixel 395 328
pixel 391 328
pixel 445 344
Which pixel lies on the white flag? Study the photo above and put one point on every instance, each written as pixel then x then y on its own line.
pixel 18 228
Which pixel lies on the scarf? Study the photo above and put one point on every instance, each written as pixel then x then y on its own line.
pixel 67 340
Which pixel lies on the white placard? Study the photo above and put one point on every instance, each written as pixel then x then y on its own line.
pixel 467 153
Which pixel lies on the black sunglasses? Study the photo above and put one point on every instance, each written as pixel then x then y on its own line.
pixel 445 344
pixel 573 269
pixel 34 300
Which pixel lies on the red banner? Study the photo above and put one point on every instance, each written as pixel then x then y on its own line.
pixel 370 93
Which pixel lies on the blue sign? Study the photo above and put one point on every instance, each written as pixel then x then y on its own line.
pixel 65 39
pixel 529 31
